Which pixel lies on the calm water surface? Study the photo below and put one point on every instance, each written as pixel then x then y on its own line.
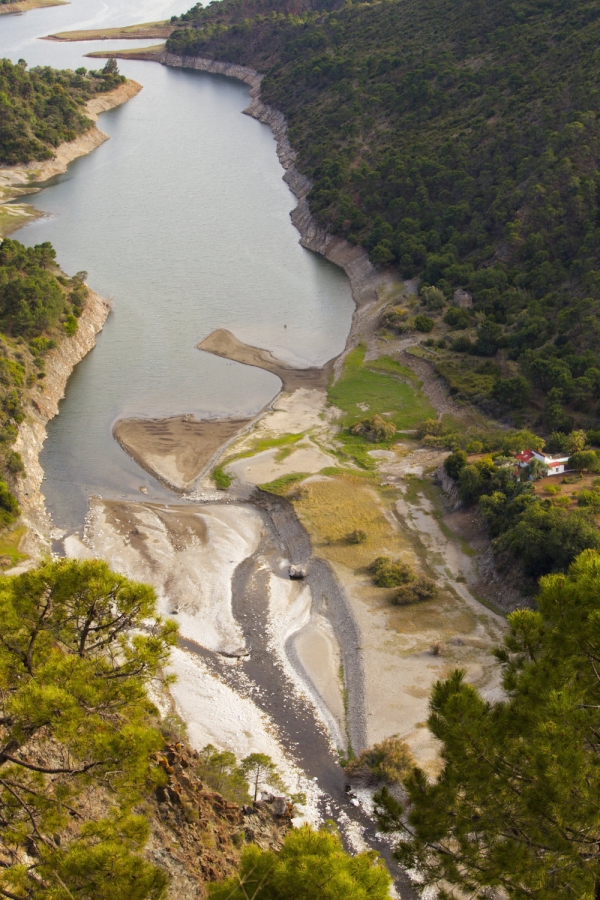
pixel 182 220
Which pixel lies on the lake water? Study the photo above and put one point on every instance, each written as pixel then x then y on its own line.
pixel 182 220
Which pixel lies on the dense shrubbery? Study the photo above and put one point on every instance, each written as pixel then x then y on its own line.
pixel 390 574
pixel 459 140
pixel 42 107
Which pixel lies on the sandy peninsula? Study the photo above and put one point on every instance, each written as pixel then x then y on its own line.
pixel 21 6
pixel 176 450
pixel 149 30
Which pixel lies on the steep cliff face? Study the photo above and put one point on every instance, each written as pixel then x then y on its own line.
pixel 42 405
pixel 364 279
pixel 197 835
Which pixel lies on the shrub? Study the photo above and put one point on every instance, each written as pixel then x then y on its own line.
pixel 462 344
pixel 390 574
pixel 375 429
pixel 416 592
pixel 432 298
pixel 221 478
pixel 9 506
pixel 455 463
pixel 424 323
pixel 590 499
pixel 457 317
pixel 388 762
pixel 357 537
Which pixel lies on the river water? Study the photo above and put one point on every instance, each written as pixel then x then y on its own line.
pixel 182 220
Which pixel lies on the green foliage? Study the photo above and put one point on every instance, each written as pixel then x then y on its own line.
pixel 424 323
pixel 515 808
pixel 79 647
pixel 417 591
pixel 375 429
pixel 311 865
pixel 259 770
pixel 220 771
pixel 454 139
pixel 43 107
pixel 548 538
pixel 388 762
pixel 455 463
pixel 584 461
pixel 282 484
pixel 390 574
pixel 221 479
pixel 589 498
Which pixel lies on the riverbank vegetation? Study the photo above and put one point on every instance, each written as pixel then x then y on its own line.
pixel 457 141
pixel 43 107
pixel 38 306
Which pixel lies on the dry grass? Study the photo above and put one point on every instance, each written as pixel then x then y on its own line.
pixel 333 508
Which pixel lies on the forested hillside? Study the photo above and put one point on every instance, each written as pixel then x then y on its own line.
pixel 455 139
pixel 38 307
pixel 42 107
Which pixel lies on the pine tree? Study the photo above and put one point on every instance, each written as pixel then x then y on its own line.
pixel 516 809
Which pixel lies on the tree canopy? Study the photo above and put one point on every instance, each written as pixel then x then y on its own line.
pixel 311 865
pixel 516 807
pixel 455 139
pixel 78 647
pixel 42 107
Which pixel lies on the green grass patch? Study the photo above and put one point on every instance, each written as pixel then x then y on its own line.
pixel 280 485
pixel 262 444
pixel 391 366
pixel 221 478
pixel 405 403
pixel 382 393
pixel 10 555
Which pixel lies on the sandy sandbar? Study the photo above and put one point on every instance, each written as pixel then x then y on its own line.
pixel 223 343
pixel 176 450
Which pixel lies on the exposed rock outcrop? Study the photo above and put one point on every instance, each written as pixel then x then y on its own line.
pixel 197 835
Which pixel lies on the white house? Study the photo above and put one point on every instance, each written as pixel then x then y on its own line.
pixel 556 465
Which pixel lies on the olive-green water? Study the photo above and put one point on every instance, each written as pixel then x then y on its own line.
pixel 182 220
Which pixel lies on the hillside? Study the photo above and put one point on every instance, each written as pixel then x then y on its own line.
pixel 458 141
pixel 42 107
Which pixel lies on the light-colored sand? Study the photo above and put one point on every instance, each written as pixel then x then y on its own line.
pixel 129 32
pixel 188 553
pixel 223 343
pixel 265 467
pixel 215 714
pixel 319 653
pixel 22 6
pixel 175 450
